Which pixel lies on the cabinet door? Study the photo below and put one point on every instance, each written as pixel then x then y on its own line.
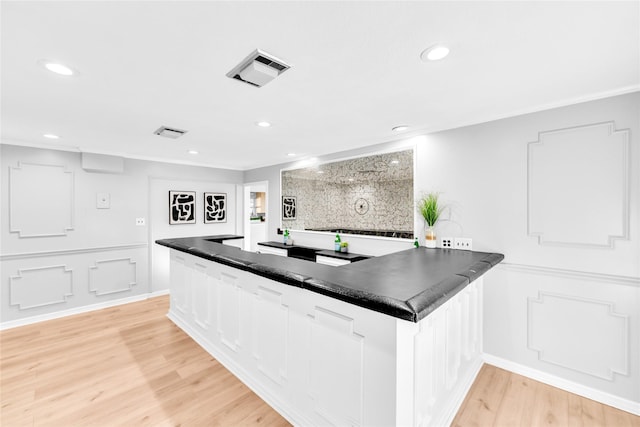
pixel 238 243
pixel 273 251
pixel 320 259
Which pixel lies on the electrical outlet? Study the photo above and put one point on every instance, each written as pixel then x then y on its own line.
pixel 139 222
pixel 446 242
pixel 463 243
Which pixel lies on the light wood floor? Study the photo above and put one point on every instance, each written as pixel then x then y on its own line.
pixel 502 398
pixel 131 366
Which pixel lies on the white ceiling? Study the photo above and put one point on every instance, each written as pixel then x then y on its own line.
pixel 356 72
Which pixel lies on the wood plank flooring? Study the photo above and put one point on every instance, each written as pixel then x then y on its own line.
pixel 131 366
pixel 122 366
pixel 502 398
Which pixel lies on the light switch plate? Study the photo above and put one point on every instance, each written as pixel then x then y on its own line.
pixel 103 200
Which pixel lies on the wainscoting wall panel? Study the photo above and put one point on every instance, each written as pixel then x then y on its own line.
pixel 271 333
pixel 229 311
pixel 180 274
pixel 576 177
pixel 112 276
pixel 63 281
pixel 202 290
pixel 446 353
pixel 41 200
pixel 582 329
pixel 41 286
pixel 337 357
pixel 591 326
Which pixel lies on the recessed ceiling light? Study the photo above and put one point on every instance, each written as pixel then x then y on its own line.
pixel 51 136
pixel 291 154
pixel 395 162
pixel 320 171
pixel 400 128
pixel 434 53
pixel 263 124
pixel 192 152
pixel 56 67
pixel 351 179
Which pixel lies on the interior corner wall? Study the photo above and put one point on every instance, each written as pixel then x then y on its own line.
pixel 69 239
pixel 564 305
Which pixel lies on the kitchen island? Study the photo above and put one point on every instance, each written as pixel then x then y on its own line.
pixel 390 340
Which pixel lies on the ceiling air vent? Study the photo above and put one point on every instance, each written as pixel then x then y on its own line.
pixel 258 69
pixel 172 133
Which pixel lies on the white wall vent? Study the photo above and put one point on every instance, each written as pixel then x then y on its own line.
pixel 258 69
pixel 168 132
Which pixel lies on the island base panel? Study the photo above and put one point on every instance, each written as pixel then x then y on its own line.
pixel 321 361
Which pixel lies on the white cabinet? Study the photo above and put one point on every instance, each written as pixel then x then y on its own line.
pixel 321 259
pixel 320 361
pixel 238 243
pixel 273 251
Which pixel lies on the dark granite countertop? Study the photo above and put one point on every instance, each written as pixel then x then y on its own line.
pixel 281 245
pixel 342 255
pixel 219 238
pixel 408 285
pixel 324 252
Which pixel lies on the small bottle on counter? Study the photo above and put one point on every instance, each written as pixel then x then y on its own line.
pixel 416 243
pixel 337 243
pixel 286 235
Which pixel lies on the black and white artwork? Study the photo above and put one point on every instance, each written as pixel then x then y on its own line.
pixel 182 207
pixel 288 207
pixel 215 207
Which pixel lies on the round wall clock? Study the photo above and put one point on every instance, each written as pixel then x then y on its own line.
pixel 361 206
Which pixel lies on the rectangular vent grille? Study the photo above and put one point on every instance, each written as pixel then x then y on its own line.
pixel 168 132
pixel 271 63
pixel 258 69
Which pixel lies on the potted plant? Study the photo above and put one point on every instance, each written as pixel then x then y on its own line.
pixel 344 247
pixel 430 210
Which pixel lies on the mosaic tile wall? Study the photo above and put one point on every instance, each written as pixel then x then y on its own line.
pixel 327 199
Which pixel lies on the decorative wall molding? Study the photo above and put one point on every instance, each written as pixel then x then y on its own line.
pixel 447 350
pixel 200 308
pixel 576 177
pixel 271 332
pixel 22 255
pixel 571 274
pixel 569 331
pixel 43 209
pixel 179 273
pixel 337 357
pixel 229 311
pixel 112 276
pixel 40 286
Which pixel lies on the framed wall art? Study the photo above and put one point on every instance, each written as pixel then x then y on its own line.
pixel 288 207
pixel 215 207
pixel 182 207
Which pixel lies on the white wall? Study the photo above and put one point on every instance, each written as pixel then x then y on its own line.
pixel 564 306
pixel 161 229
pixel 566 301
pixel 64 254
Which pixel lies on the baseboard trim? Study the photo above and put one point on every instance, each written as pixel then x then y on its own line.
pixel 79 310
pixel 570 386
